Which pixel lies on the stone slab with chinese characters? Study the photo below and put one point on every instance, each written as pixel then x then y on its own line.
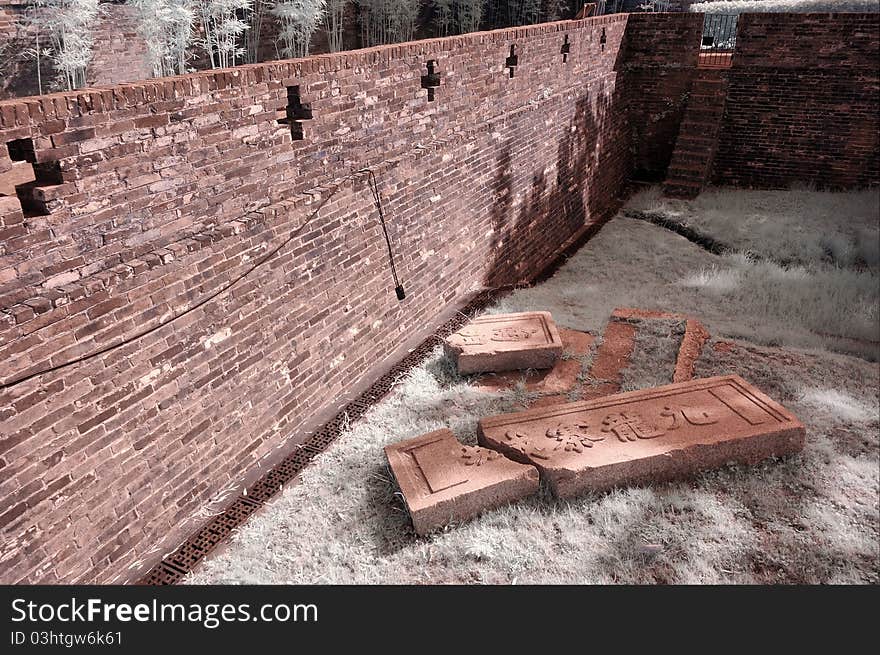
pixel 505 342
pixel 446 482
pixel 645 436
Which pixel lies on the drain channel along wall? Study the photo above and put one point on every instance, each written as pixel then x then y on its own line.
pixel 150 199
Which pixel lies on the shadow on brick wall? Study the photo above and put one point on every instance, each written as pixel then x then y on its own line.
pixel 578 195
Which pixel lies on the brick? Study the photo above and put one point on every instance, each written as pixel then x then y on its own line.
pixel 72 136
pixel 445 482
pixel 505 342
pixel 647 436
pixel 61 279
pixel 613 354
pixel 40 305
pixel 21 313
pixel 106 307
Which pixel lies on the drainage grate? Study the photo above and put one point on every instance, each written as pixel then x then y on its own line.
pixel 176 565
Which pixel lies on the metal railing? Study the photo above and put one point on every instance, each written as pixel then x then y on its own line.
pixel 623 6
pixel 719 40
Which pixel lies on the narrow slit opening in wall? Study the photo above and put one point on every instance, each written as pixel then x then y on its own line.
pixel 566 50
pixel 603 39
pixel 512 61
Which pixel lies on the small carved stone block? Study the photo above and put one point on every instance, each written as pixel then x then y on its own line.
pixel 446 482
pixel 646 436
pixel 505 342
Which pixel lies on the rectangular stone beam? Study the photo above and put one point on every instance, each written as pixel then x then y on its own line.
pixel 505 342
pixel 444 481
pixel 646 436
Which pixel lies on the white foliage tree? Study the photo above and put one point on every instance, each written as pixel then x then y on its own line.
pixel 31 22
pixel 610 6
pixel 166 26
pixel 655 5
pixel 444 14
pixel 457 16
pixel 792 6
pixel 524 12
pixel 387 21
pixel 334 22
pixel 503 13
pixel 67 29
pixel 223 28
pixel 254 33
pixel 468 15
pixel 298 20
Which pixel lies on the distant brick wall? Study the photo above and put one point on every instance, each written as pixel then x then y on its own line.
pixel 662 51
pixel 118 51
pixel 152 196
pixel 802 103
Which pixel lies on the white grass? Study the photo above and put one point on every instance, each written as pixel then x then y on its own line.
pixel 654 354
pixel 825 300
pixel 807 519
pixel 804 261
pixel 781 6
pixel 802 226
pixel 840 404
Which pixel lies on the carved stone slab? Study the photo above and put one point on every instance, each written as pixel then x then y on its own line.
pixel 644 436
pixel 446 482
pixel 505 342
pixel 560 379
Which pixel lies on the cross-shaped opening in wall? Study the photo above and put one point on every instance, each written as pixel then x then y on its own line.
pixel 295 112
pixel 432 80
pixel 566 50
pixel 512 61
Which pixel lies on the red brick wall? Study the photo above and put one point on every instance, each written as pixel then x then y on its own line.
pixel 167 191
pixel 662 52
pixel 119 51
pixel 802 103
pixel 152 198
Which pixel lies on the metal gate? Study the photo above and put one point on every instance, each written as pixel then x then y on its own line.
pixel 719 40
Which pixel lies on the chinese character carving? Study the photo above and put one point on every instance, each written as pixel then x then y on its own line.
pixel 471 338
pixel 473 456
pixel 682 416
pixel 629 427
pixel 572 437
pixel 522 443
pixel 513 333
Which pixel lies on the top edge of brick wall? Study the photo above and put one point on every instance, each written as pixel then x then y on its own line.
pixel 818 41
pixel 31 110
pixel 814 14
